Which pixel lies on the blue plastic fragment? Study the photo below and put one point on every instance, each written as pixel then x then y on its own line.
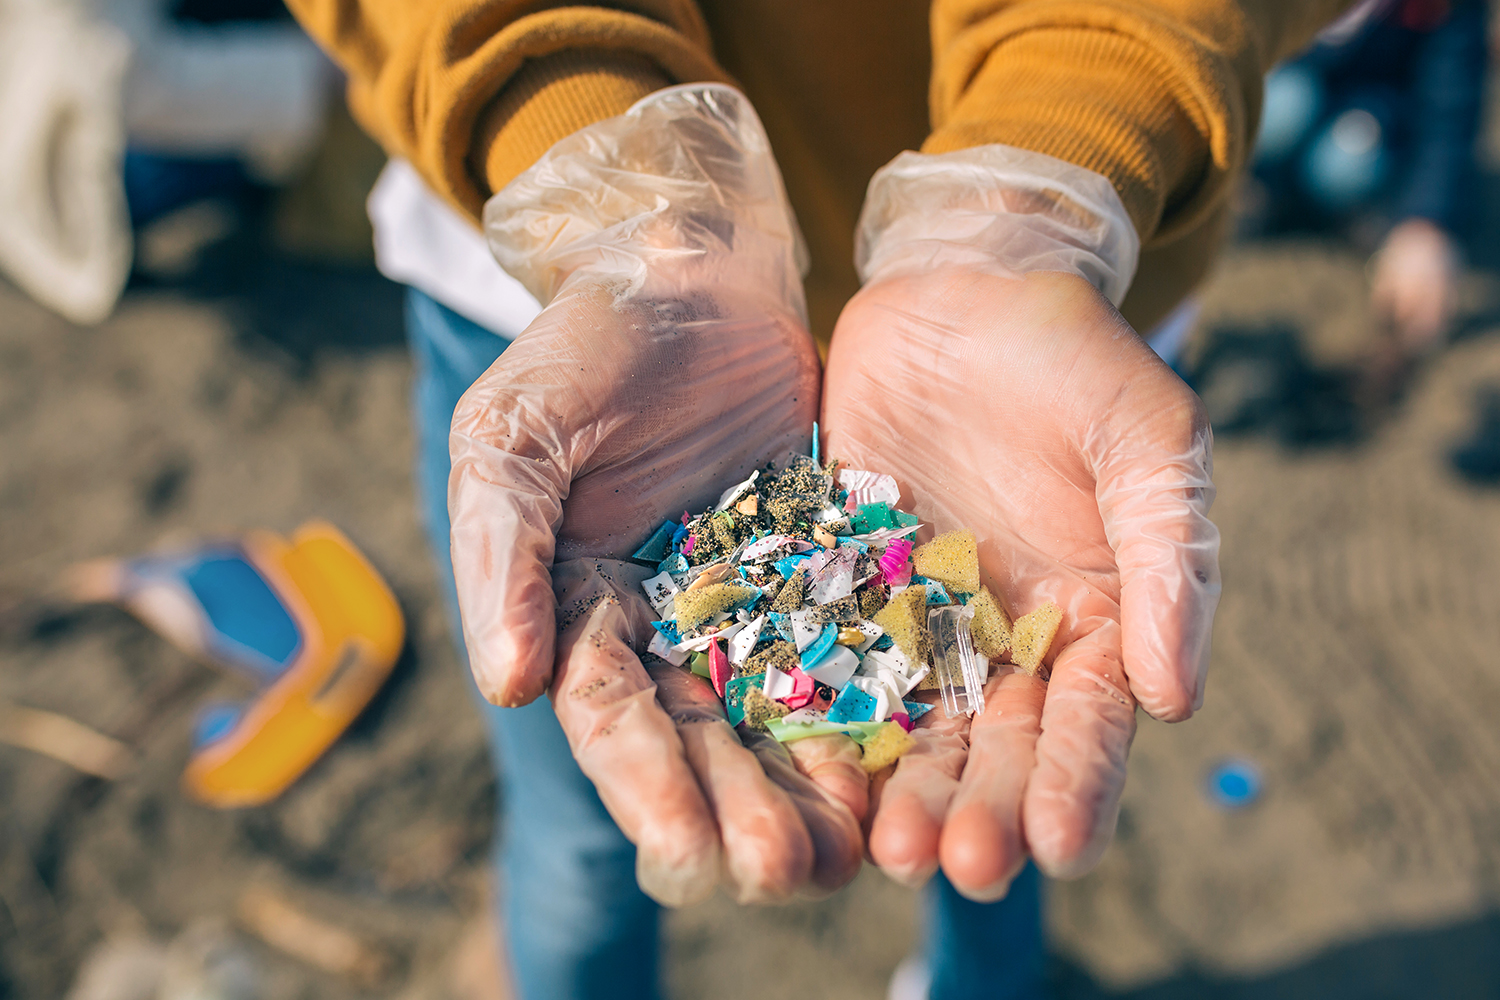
pixel 1234 784
pixel 815 443
pixel 679 535
pixel 884 643
pixel 658 546
pixel 782 624
pixel 937 593
pixel 821 645
pixel 915 709
pixel 674 563
pixel 669 630
pixel 852 705
pixel 245 612
pixel 786 567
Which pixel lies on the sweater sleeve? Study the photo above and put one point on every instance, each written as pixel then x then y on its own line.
pixel 1160 96
pixel 474 91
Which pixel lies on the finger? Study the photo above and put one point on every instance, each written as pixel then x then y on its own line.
pixel 838 846
pixel 630 750
pixel 1154 486
pixel 907 809
pixel 982 847
pixel 505 501
pixel 768 850
pixel 832 762
pixel 1072 798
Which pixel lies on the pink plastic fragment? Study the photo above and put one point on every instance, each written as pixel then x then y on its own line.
pixel 802 689
pixel 719 670
pixel 687 546
pixel 902 719
pixel 895 563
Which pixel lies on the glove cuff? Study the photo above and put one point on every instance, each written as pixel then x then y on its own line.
pixel 996 208
pixel 683 181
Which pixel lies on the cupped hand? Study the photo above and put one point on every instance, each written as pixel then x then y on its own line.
pixel 1024 408
pixel 1415 283
pixel 604 415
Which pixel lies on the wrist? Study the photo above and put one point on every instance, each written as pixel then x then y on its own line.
pixel 679 190
pixel 996 209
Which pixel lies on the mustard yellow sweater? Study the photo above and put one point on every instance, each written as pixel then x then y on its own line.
pixel 1160 96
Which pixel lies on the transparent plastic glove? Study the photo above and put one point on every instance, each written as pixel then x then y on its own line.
pixel 1415 283
pixel 982 367
pixel 672 357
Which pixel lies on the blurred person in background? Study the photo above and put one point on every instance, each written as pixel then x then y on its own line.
pixel 115 114
pixel 1373 130
pixel 652 335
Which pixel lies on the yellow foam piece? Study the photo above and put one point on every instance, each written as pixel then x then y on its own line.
pixel 885 747
pixel 904 619
pixel 694 607
pixel 991 626
pixel 1032 636
pixel 951 559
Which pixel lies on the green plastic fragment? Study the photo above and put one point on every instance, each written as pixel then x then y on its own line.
pixel 699 664
pixel 734 697
pixel 789 732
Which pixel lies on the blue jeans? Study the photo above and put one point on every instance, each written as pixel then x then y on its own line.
pixel 576 925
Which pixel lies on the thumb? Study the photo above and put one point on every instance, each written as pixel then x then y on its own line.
pixel 505 498
pixel 1154 487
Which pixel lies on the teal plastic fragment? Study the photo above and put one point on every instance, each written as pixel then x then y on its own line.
pixel 905 520
pixel 821 645
pixel 937 593
pixel 815 443
pixel 872 517
pixel 852 705
pixel 786 567
pixel 658 546
pixel 915 709
pixel 674 563
pixel 734 696
pixel 669 630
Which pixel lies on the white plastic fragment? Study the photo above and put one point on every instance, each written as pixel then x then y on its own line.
pixel 869 487
pixel 660 590
pixel 744 641
pixel 778 684
pixel 836 577
pixel 804 630
pixel 729 496
pixel 835 669
pixel 661 646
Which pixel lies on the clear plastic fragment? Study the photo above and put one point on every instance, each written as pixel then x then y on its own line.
pixel 960 670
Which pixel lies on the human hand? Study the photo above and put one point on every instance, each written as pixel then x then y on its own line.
pixel 672 357
pixel 1415 283
pixel 1020 405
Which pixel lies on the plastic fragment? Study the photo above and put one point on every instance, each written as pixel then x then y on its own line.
pixel 805 631
pixel 676 564
pixel 852 705
pixel 719 671
pixel 1032 636
pixel 744 642
pixel 895 563
pixel 951 559
pixel 834 669
pixel 916 709
pixel 736 491
pixel 787 731
pixel 885 748
pixel 658 546
pixel 660 645
pixel 902 719
pixel 867 488
pixel 819 647
pixel 700 665
pixel 660 590
pixel 959 669
pixel 991 626
pixel 904 619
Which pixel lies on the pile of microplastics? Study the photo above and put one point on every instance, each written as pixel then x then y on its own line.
pixel 803 601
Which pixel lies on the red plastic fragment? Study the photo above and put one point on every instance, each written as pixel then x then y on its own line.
pixel 719 670
pixel 902 719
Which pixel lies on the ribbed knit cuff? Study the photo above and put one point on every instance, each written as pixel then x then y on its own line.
pixel 1099 99
pixel 550 99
